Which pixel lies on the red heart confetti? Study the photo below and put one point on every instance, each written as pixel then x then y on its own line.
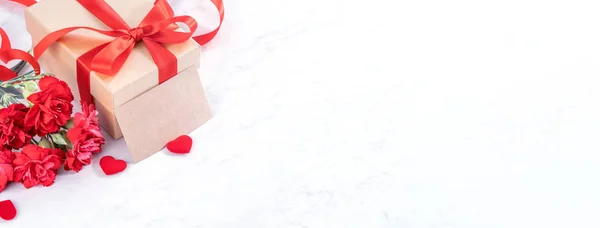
pixel 111 165
pixel 181 145
pixel 7 210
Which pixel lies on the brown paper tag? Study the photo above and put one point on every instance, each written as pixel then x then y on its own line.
pixel 174 108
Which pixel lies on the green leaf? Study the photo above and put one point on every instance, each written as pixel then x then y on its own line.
pixel 58 139
pixel 17 89
pixel 10 98
pixel 3 90
pixel 12 90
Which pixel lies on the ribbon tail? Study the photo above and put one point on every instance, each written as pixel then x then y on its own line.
pixel 205 38
pixel 7 54
pixel 5 45
pixel 48 40
pixel 13 54
pixel 6 74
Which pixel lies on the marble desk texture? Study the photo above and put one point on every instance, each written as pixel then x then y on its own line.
pixel 347 113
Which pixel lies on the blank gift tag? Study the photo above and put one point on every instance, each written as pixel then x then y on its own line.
pixel 174 108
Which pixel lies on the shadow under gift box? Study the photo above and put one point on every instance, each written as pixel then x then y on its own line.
pixel 131 104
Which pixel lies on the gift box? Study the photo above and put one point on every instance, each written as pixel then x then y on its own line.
pixel 132 103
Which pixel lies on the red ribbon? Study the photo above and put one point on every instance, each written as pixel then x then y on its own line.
pixel 25 2
pixel 156 28
pixel 8 54
pixel 203 39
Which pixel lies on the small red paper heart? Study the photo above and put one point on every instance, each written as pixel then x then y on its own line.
pixel 111 165
pixel 7 210
pixel 181 145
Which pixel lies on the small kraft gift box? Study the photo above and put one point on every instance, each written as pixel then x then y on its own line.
pixel 135 102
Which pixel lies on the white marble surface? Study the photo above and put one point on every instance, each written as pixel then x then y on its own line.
pixel 347 113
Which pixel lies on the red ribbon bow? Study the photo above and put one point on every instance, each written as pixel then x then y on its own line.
pixel 157 28
pixel 8 54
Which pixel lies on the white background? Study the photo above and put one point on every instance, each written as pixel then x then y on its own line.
pixel 347 113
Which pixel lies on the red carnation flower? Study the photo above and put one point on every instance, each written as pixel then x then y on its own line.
pixel 35 165
pixel 6 156
pixel 6 175
pixel 6 168
pixel 51 108
pixel 86 142
pixel 87 118
pixel 12 121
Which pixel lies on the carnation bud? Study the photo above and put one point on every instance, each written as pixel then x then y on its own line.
pixel 69 124
pixel 45 143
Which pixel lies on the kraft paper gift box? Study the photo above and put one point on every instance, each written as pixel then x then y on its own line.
pixel 131 103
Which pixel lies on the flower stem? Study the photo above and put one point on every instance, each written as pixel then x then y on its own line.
pixel 17 68
pixel 50 140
